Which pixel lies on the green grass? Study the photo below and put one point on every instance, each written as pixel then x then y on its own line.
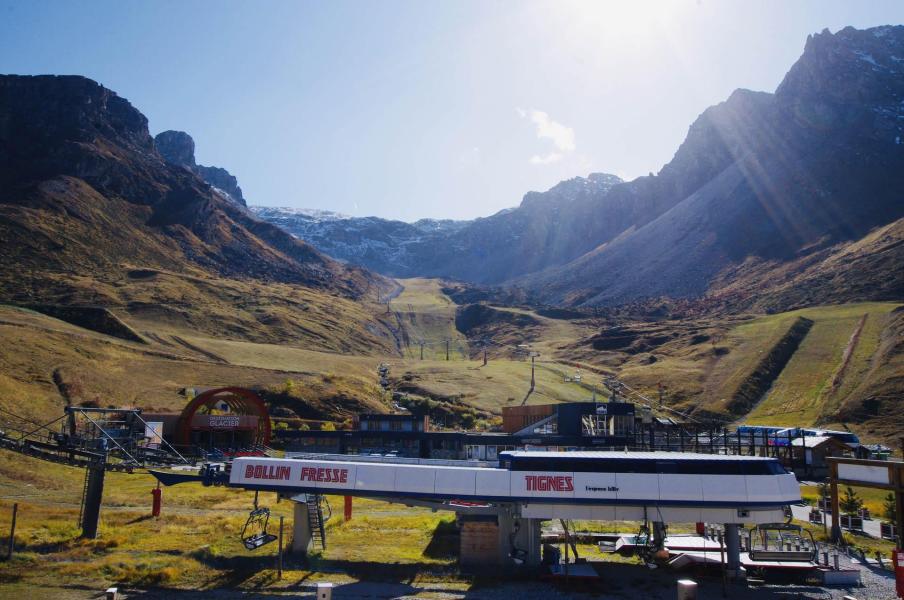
pixel 425 314
pixel 872 499
pixel 803 393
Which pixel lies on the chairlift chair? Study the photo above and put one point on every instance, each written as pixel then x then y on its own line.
pixel 254 533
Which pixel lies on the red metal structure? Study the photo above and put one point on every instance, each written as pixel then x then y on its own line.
pixel 225 409
pixel 156 500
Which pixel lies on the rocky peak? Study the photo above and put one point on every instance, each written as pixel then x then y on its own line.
pixel 850 78
pixel 178 148
pixel 572 189
pixel 48 109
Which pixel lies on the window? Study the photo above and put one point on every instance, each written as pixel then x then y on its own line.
pixel 635 465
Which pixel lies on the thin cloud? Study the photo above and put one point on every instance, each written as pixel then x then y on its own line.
pixel 546 159
pixel 561 136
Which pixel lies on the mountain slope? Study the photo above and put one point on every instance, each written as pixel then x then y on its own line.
pixel 91 214
pixel 761 179
pixel 391 247
pixel 817 163
pixel 546 229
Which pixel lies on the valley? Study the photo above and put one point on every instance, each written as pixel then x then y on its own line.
pixel 704 365
pixel 755 279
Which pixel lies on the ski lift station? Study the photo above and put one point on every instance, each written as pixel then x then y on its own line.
pixel 511 497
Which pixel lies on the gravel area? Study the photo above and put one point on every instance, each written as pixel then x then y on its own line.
pixel 618 582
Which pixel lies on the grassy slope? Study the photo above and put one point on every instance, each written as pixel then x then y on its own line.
pixel 186 350
pixel 803 394
pixel 423 313
pixel 706 375
pixel 94 367
pixel 195 544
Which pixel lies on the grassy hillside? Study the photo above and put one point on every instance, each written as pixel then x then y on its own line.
pixel 706 364
pixel 827 367
pixel 422 313
pixel 329 368
pixel 46 363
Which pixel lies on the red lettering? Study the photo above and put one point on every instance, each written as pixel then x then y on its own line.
pixel 321 474
pixel 249 472
pixel 546 483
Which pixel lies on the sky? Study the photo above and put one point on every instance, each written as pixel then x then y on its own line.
pixel 437 109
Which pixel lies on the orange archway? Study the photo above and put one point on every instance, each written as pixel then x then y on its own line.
pixel 238 402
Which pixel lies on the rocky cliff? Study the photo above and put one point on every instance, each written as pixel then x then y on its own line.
pixel 84 193
pixel 178 148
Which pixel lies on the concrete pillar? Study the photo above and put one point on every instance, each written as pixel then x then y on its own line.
pixel 732 549
pixel 506 525
pixel 480 543
pixel 519 537
pixel 302 540
pixel 527 538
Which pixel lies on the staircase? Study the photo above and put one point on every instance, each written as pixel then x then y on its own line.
pixel 316 520
pixel 81 510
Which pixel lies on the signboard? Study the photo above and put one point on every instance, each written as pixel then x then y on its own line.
pixel 297 474
pixel 865 473
pixel 223 421
pixel 153 431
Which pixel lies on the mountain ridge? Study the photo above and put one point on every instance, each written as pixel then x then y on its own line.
pixel 807 166
pixel 764 178
pixel 80 173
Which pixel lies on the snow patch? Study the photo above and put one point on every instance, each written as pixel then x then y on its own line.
pixel 313 214
pixel 866 57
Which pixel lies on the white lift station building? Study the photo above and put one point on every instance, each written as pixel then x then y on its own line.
pixel 525 488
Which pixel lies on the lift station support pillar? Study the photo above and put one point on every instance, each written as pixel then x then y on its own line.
pixel 733 549
pixel 302 536
pixel 94 492
pixel 498 539
pixel 519 540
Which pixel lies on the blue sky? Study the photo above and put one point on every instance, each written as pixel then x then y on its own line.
pixel 423 109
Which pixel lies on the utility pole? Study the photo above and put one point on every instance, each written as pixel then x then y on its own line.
pixel 447 349
pixel 484 355
pixel 421 343
pixel 533 381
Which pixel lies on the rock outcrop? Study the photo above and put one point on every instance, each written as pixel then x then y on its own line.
pixel 178 148
pixel 85 194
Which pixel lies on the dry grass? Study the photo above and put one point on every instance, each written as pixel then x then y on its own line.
pixel 195 544
pixel 803 393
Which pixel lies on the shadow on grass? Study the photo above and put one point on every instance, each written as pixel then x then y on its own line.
pixel 139 519
pixel 234 570
pixel 444 541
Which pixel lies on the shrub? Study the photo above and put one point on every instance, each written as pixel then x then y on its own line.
pixel 889 510
pixel 851 503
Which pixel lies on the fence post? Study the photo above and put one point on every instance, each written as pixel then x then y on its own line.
pixel 279 564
